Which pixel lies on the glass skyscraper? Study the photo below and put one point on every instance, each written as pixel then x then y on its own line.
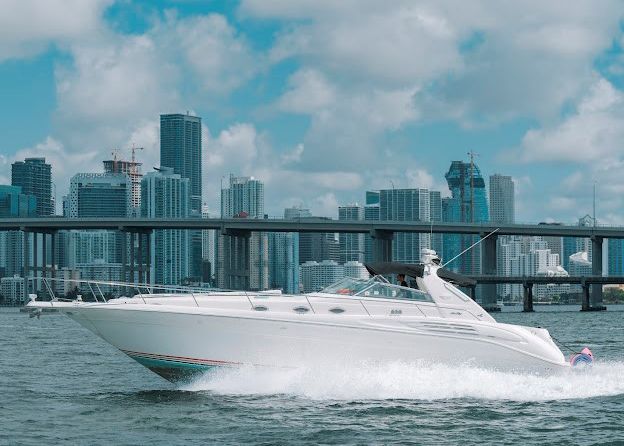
pixel 244 198
pixel 165 194
pixel 468 204
pixel 14 203
pixel 284 261
pixel 181 149
pixel 99 252
pixel 406 205
pixel 351 245
pixel 502 199
pixel 34 176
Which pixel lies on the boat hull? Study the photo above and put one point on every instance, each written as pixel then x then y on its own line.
pixel 178 344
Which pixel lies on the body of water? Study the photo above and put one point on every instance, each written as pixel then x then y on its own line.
pixel 60 384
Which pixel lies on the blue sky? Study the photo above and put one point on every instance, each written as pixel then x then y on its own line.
pixel 322 99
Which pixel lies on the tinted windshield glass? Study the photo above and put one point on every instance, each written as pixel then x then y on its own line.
pixel 389 291
pixel 348 286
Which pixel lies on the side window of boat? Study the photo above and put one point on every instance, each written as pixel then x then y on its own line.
pixel 380 290
pixel 416 295
pixel 388 291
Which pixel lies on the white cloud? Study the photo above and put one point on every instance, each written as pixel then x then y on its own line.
pixel 325 205
pixel 28 27
pixel 234 149
pixel 309 92
pixel 211 48
pixel 594 133
pixel 64 163
pixel 110 86
pixel 478 62
pixel 419 178
pixel 294 156
pixel 366 40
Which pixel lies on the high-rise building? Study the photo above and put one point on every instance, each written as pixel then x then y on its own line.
pixel 100 195
pixel 243 198
pixel 296 212
pixel 406 205
pixel 181 149
pixel 93 195
pixel 468 203
pixel 317 275
pixel 284 261
pixel 351 245
pixel 502 199
pixel 615 257
pixel 580 265
pixel 356 270
pixel 372 197
pixel 133 170
pixel 12 290
pixel 314 246
pixel 14 203
pixel 318 246
pixel 34 176
pixel 165 194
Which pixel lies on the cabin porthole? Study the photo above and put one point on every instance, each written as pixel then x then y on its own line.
pixel 301 310
pixel 260 308
pixel 336 310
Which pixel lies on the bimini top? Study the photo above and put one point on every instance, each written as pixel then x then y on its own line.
pixel 417 270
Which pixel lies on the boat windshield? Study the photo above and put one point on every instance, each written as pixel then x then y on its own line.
pixel 375 288
pixel 348 286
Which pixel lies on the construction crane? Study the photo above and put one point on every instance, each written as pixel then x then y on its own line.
pixel 115 153
pixel 134 169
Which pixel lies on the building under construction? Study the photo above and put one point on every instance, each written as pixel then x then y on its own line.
pixel 131 168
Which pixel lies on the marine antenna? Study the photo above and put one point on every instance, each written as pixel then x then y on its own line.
pixel 470 247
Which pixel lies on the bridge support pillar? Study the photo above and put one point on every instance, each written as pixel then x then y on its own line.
pixel 585 299
pixel 488 268
pixel 25 262
pixel 140 259
pixel 53 263
pixel 236 259
pixel 596 288
pixel 382 245
pixel 132 276
pixel 528 297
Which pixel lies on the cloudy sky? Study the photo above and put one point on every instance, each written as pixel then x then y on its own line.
pixel 325 99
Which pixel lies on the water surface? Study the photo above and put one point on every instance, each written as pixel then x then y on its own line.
pixel 59 384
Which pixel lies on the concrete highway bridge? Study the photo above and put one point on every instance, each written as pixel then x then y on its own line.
pixel 237 233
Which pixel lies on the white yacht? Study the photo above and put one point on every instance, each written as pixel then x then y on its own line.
pixel 178 335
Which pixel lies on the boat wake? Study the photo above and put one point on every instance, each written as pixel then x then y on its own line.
pixel 418 381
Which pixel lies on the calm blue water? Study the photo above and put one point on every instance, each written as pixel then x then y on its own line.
pixel 59 384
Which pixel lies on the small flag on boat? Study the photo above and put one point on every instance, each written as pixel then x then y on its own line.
pixel 585 357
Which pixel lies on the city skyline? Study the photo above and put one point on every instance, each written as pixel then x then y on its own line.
pixel 280 99
pixel 445 192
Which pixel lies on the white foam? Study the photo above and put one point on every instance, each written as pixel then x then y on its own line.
pixel 399 380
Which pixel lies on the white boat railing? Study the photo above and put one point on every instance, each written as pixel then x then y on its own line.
pixel 102 291
pixel 99 289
